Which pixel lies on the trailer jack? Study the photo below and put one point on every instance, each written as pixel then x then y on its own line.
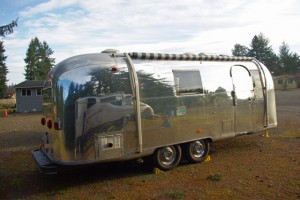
pixel 266 133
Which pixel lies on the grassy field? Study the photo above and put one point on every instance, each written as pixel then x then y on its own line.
pixel 247 167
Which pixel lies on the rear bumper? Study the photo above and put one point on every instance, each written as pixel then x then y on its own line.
pixel 46 166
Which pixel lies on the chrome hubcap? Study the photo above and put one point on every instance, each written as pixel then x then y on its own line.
pixel 198 148
pixel 167 155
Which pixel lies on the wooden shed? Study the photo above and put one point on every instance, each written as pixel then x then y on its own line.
pixel 29 96
pixel 285 82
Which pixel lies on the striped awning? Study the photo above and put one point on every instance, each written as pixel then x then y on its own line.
pixel 162 56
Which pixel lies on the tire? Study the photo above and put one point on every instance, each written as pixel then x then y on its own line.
pixel 167 158
pixel 196 151
pixel 147 113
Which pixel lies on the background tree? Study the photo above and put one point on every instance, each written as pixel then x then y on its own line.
pixel 3 71
pixel 4 30
pixel 289 62
pixel 8 29
pixel 240 50
pixel 38 60
pixel 261 50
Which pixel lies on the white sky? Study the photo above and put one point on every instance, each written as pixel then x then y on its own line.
pixel 72 27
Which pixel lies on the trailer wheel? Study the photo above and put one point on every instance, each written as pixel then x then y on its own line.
pixel 167 158
pixel 196 151
pixel 147 113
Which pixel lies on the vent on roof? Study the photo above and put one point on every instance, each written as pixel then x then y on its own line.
pixel 110 51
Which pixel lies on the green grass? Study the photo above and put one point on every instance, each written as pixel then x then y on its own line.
pixel 215 177
pixel 291 134
pixel 176 194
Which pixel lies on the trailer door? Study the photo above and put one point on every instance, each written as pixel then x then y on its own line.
pixel 242 97
pixel 258 102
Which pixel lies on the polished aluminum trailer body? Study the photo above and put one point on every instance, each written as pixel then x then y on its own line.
pixel 113 106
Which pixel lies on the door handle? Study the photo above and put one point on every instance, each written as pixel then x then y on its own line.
pixel 234 98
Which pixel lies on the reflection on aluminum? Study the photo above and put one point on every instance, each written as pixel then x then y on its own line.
pixel 96 105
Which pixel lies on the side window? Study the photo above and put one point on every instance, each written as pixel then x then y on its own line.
pixel 26 92
pixel 128 101
pixel 290 81
pixel 38 92
pixel 187 82
pixel 280 81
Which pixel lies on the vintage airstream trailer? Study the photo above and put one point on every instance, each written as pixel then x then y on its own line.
pixel 112 106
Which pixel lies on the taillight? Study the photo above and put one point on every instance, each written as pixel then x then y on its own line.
pixel 49 124
pixel 57 125
pixel 43 121
pixel 114 69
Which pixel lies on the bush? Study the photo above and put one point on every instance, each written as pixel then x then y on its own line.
pixel 7 103
pixel 9 111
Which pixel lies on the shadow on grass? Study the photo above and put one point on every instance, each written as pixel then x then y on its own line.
pixel 23 180
pixel 30 183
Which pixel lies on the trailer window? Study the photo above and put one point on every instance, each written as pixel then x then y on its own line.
pixel 258 91
pixel 187 82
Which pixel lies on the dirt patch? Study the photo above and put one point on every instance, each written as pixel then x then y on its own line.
pixel 247 167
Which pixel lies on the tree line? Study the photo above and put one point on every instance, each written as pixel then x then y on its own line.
pixel 286 62
pixel 4 30
pixel 38 60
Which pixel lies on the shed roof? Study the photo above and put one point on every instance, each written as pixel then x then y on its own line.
pixel 30 84
pixel 283 76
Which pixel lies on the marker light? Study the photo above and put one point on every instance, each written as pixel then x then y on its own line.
pixel 199 131
pixel 114 69
pixel 49 124
pixel 43 121
pixel 57 125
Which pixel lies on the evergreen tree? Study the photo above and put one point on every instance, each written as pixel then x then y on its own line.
pixel 31 59
pixel 38 60
pixel 261 50
pixel 3 71
pixel 240 50
pixel 4 30
pixel 8 29
pixel 289 62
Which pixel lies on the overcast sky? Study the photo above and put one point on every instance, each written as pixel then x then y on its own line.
pixel 72 27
